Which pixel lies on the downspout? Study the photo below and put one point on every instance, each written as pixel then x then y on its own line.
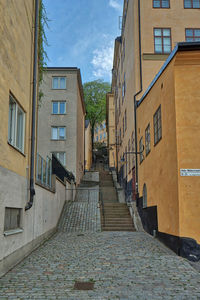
pixel 35 67
pixel 135 100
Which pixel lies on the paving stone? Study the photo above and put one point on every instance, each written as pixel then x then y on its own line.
pixel 122 265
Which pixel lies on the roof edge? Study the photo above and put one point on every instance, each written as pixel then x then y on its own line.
pixel 182 46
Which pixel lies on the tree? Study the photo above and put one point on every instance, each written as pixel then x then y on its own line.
pixel 95 101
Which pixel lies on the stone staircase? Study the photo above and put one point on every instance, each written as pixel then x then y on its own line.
pixel 115 216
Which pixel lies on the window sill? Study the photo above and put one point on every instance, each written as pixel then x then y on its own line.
pixel 58 140
pixel 16 149
pixel 59 114
pixel 59 89
pixel 155 56
pixel 13 231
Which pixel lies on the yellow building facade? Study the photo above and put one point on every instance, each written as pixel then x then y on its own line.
pixel 100 134
pixel 168 126
pixel 110 126
pixel 150 31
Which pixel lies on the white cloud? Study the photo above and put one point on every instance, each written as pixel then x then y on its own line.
pixel 103 61
pixel 116 5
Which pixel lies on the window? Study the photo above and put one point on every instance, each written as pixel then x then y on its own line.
pixel 12 218
pixel 58 133
pixel 104 135
pixel 191 3
pixel 97 138
pixel 162 40
pixel 141 148
pixel 161 3
pixel 16 125
pixel 58 107
pixel 124 88
pixel 147 140
pixel 157 126
pixel 61 156
pixel 120 136
pixel 59 83
pixel 100 137
pixel 192 35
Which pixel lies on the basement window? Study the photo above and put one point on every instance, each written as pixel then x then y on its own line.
pixel 12 220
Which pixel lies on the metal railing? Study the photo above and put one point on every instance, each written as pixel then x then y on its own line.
pixel 44 171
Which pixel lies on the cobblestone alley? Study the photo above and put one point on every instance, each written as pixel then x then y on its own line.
pixel 122 265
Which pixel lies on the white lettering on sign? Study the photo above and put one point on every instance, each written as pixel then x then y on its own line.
pixel 190 172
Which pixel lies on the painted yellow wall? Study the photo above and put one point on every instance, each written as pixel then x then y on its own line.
pixel 100 132
pixel 187 82
pixel 110 123
pixel 16 35
pixel 88 148
pixel 177 18
pixel 159 168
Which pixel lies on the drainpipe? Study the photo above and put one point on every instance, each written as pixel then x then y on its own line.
pixel 135 100
pixel 35 66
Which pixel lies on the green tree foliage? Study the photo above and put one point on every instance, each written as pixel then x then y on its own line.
pixel 95 101
pixel 42 41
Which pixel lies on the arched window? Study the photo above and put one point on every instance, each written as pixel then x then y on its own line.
pixel 144 196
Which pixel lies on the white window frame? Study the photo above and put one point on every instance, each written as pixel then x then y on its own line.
pixel 58 127
pixel 13 123
pixel 59 102
pixel 59 78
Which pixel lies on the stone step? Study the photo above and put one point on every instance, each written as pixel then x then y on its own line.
pixel 110 222
pixel 117 229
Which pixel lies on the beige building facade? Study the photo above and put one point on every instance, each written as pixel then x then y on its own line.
pixel 61 121
pixel 88 146
pixel 110 127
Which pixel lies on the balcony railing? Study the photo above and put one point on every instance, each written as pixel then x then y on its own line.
pixel 44 171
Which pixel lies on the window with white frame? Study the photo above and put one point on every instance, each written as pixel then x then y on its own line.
pixel 58 107
pixel 58 133
pixel 147 139
pixel 61 156
pixel 162 40
pixel 141 148
pixel 16 124
pixel 59 83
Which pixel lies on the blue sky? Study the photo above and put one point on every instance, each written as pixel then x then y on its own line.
pixel 81 34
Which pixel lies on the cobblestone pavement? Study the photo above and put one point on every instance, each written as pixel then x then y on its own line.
pixel 122 265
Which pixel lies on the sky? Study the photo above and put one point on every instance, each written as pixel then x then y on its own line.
pixel 81 34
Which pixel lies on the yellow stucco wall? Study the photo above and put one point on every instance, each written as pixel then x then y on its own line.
pixel 187 82
pixel 110 123
pixel 88 148
pixel 159 168
pixel 16 37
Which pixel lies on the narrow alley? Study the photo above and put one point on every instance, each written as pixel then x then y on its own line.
pixel 117 264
